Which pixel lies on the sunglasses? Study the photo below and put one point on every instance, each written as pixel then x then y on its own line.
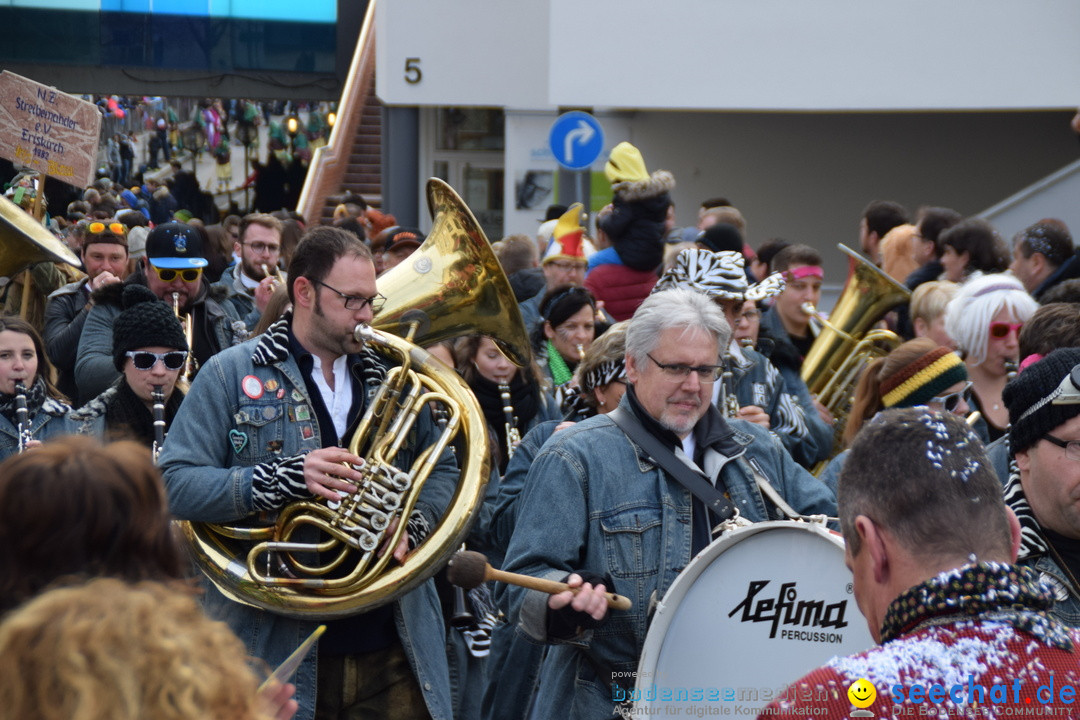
pixel 97 228
pixel 168 274
pixel 1001 330
pixel 951 401
pixel 145 360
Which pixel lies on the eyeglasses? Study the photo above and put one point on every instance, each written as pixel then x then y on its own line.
pixel 568 266
pixel 357 302
pixel 146 360
pixel 261 247
pixel 674 371
pixel 168 274
pixel 952 400
pixel 749 315
pixel 1072 447
pixel 97 228
pixel 1001 330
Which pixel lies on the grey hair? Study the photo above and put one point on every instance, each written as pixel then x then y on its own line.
pixel 969 313
pixel 677 308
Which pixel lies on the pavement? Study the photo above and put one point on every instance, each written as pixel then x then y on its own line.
pixel 205 166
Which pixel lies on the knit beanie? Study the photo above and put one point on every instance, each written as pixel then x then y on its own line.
pixel 1035 398
pixel 145 322
pixel 920 381
pixel 721 237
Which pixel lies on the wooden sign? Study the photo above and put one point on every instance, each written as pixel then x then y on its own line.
pixel 52 132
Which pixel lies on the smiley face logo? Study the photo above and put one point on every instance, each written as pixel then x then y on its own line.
pixel 862 693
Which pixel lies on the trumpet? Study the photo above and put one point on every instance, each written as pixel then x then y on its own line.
pixel 158 396
pixel 580 351
pixel 513 435
pixel 22 417
pixel 279 279
pixel 184 381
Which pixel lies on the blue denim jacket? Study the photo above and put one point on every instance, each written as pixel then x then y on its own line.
pixel 220 433
pixel 594 501
pixel 52 420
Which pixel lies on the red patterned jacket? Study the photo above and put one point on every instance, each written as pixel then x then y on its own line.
pixel 975 642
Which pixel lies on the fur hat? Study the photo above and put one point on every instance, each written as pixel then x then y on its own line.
pixel 625 170
pixel 720 275
pixel 145 322
pixel 1043 396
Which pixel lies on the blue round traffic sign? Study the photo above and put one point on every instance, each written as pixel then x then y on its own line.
pixel 576 140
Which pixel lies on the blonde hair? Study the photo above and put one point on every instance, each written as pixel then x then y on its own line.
pixel 727 214
pixel 109 650
pixel 929 300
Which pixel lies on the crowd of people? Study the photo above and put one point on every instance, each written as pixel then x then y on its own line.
pixel 218 373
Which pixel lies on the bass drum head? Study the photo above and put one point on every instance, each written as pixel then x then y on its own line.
pixel 756 610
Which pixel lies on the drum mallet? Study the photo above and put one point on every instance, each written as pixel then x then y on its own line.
pixel 469 569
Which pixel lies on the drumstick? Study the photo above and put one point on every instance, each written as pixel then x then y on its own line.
pixel 469 569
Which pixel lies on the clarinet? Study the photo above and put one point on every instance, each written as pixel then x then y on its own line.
pixel 513 435
pixel 22 417
pixel 158 396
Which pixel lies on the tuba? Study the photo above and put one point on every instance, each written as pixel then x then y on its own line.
pixel 848 341
pixel 320 559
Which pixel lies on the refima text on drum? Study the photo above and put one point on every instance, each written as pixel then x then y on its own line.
pixel 787 609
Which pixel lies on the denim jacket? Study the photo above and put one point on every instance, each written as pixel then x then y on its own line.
pixel 791 412
pixel 52 420
pixel 229 291
pixel 594 501
pixel 227 424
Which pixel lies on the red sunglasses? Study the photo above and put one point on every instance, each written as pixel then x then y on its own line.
pixel 1001 330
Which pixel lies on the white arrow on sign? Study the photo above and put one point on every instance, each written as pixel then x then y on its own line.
pixel 581 134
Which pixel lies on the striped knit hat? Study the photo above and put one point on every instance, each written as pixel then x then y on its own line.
pixel 922 380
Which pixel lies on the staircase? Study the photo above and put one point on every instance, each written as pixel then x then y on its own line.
pixel 1055 196
pixel 352 160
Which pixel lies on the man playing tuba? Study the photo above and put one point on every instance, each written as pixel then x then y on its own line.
pixel 262 428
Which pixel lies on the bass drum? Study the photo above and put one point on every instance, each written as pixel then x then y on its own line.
pixel 756 610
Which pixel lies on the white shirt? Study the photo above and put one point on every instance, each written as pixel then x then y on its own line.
pixel 338 400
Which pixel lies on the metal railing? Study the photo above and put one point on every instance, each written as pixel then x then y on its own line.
pixel 326 172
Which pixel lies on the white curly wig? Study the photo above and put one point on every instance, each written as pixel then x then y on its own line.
pixel 970 312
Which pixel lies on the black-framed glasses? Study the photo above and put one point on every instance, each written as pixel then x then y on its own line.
pixel 675 371
pixel 168 274
pixel 146 360
pixel 261 247
pixel 951 401
pixel 1071 447
pixel 357 302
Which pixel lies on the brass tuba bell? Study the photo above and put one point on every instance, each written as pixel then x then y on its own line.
pixel 848 341
pixel 25 242
pixel 452 285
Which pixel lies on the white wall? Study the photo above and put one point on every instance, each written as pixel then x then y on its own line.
pixel 732 54
pixel 807 177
